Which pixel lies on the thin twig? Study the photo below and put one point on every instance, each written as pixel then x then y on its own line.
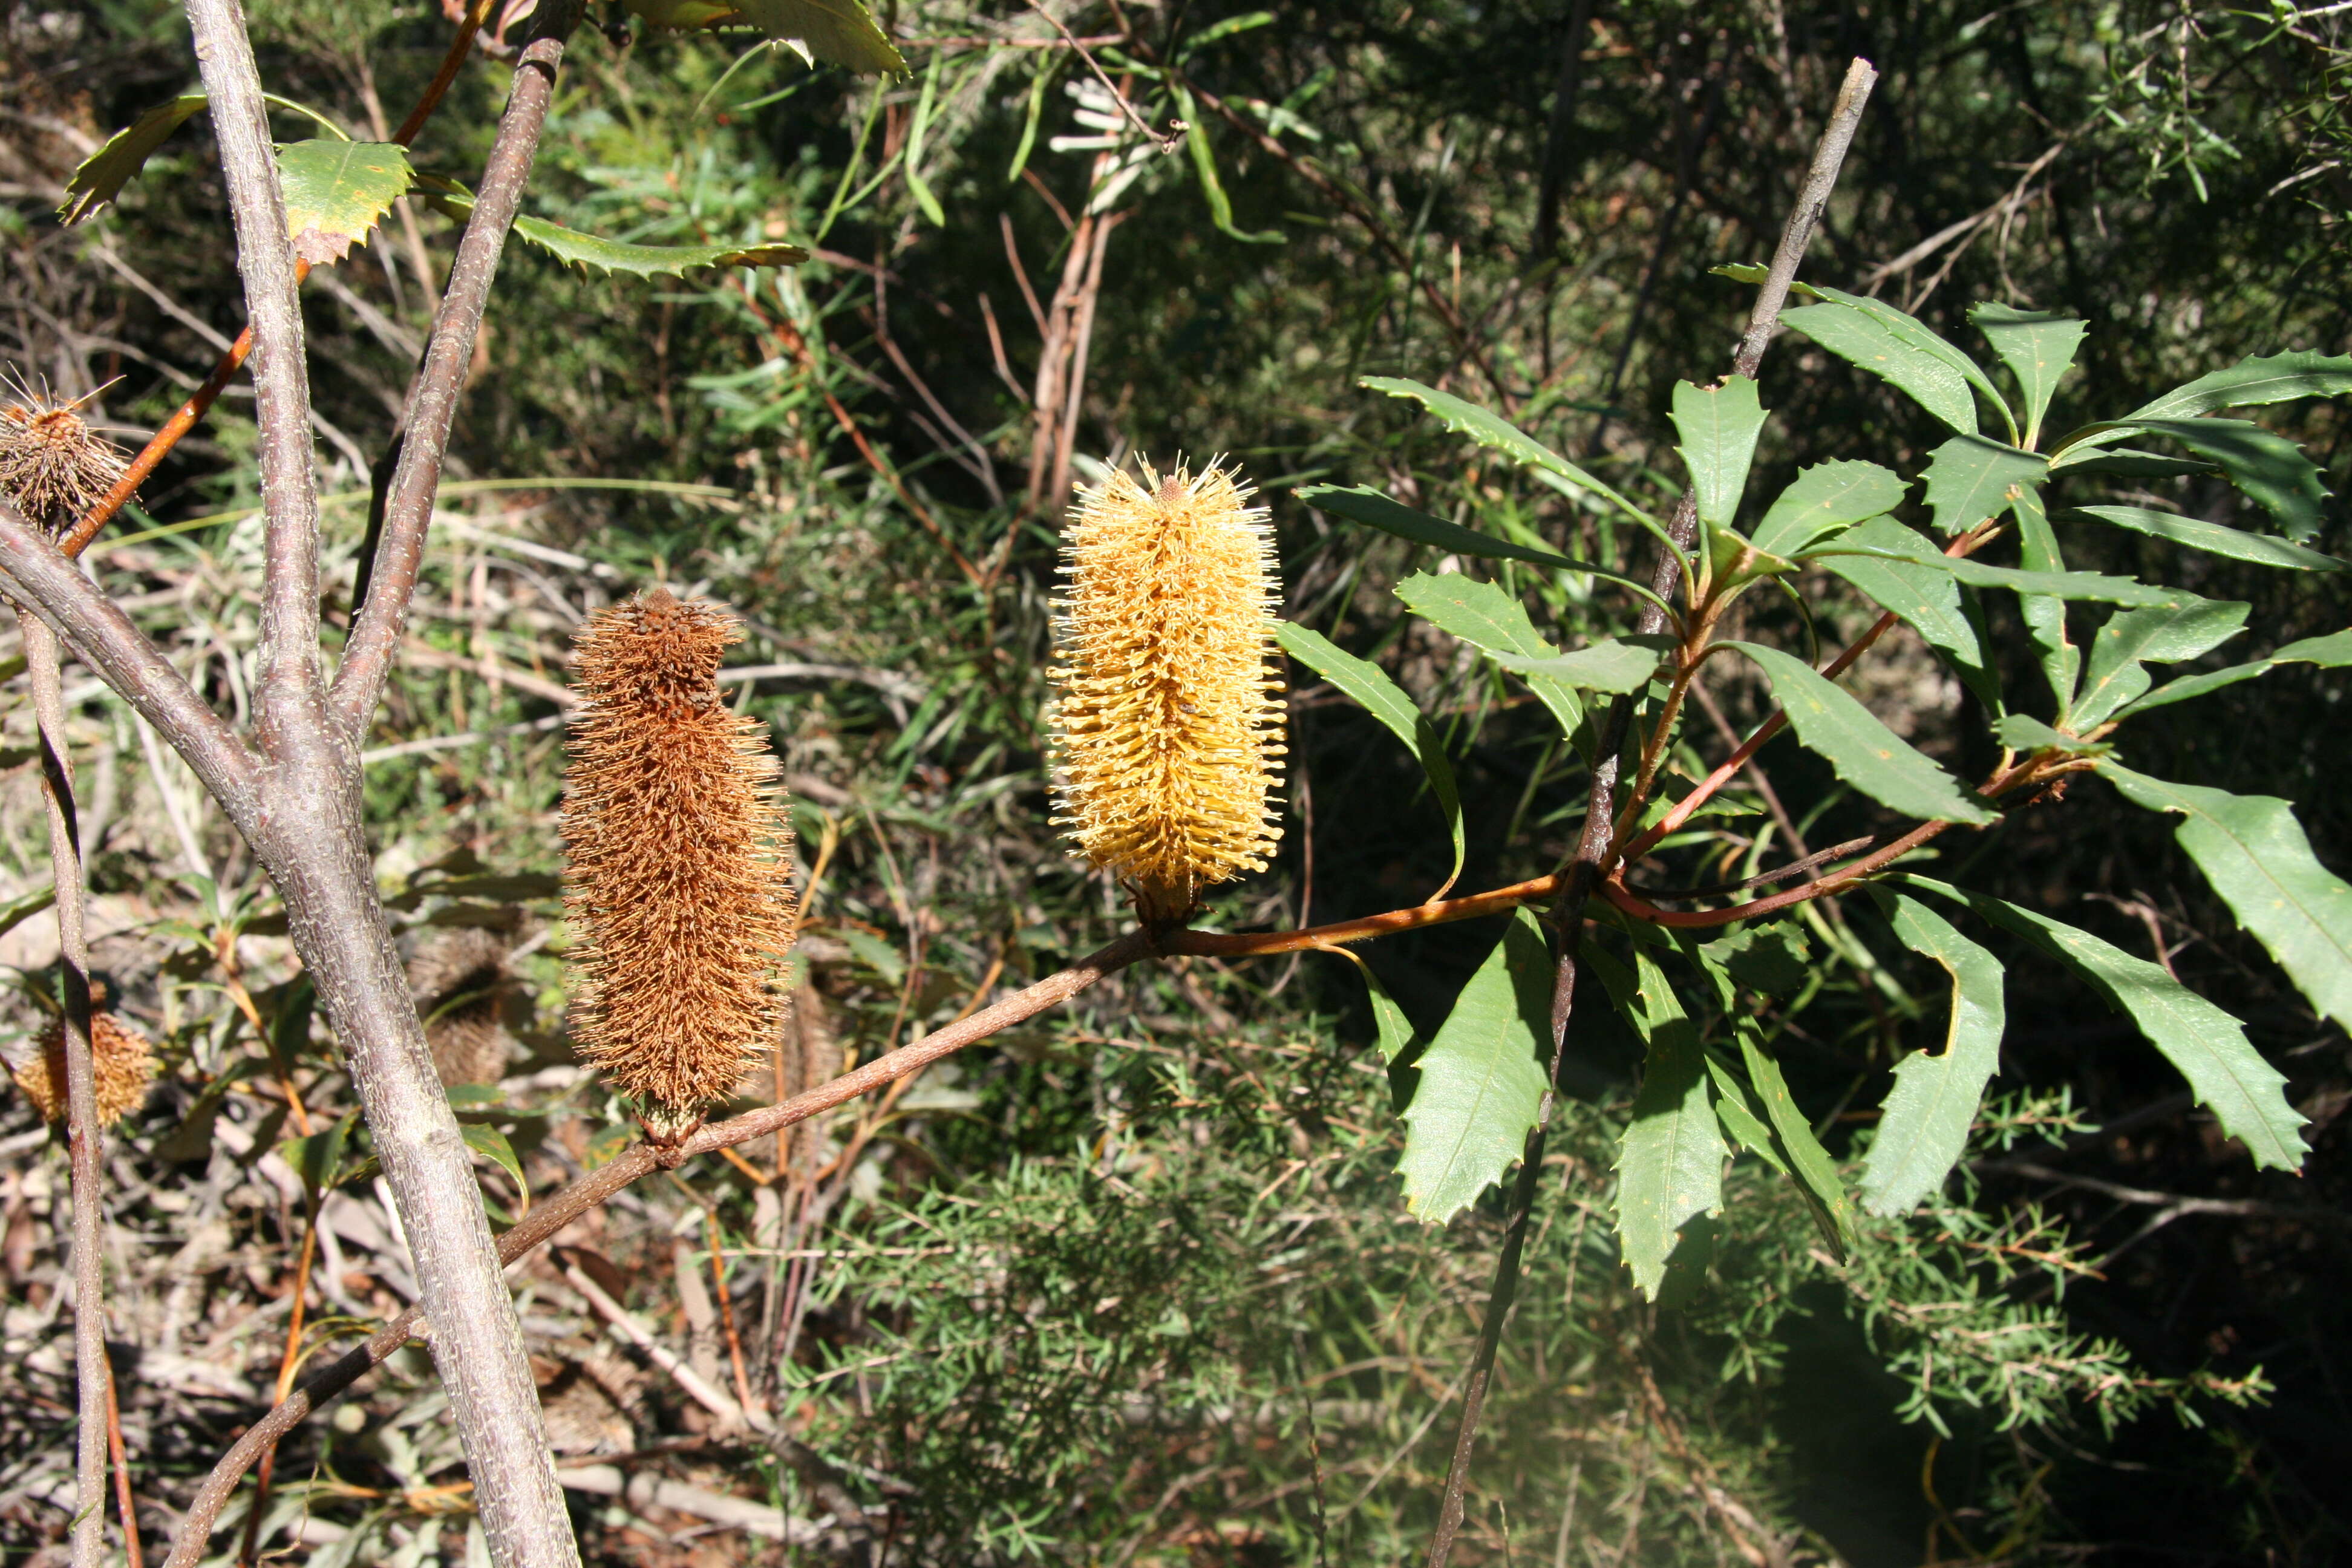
pixel 134 1555
pixel 288 1364
pixel 1169 140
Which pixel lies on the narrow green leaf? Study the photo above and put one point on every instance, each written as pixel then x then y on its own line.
pixel 1035 114
pixel 2116 674
pixel 1493 622
pixel 2045 576
pixel 1670 1159
pixel 2044 614
pixel 1212 189
pixel 16 911
pixel 2229 1077
pixel 2255 854
pixel 1738 1118
pixel 2332 651
pixel 101 177
pixel 2212 538
pixel 484 1139
pixel 1970 479
pixel 1718 426
pixel 1491 430
pixel 1482 1084
pixel 839 31
pixel 1923 1129
pixel 2038 347
pixel 1385 700
pixel 1815 1171
pixel 1373 509
pixel 1899 350
pixel 1863 751
pixel 2127 464
pixel 2270 471
pixel 926 199
pixel 336 192
pixel 2271 378
pixel 1605 666
pixel 1394 1029
pixel 1825 499
pixel 612 255
pixel 1926 597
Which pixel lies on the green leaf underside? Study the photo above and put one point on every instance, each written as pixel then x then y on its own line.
pixel 1481 1085
pixel 1923 1129
pixel 100 177
pixel 1738 1118
pixel 336 192
pixel 839 31
pixel 1493 622
pixel 1492 431
pixel 484 1139
pixel 2332 652
pixel 1718 426
pixel 1605 666
pixel 1897 350
pixel 2212 538
pixel 2256 855
pixel 2127 464
pixel 2037 346
pixel 1970 479
pixel 1863 751
pixel 2229 1077
pixel 1670 1159
pixel 1385 700
pixel 1811 1164
pixel 2025 733
pixel 2271 378
pixel 1394 1030
pixel 2269 469
pixel 2116 674
pixel 1926 598
pixel 1825 499
pixel 614 256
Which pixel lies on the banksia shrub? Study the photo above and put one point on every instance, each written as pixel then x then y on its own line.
pixel 678 874
pixel 1168 720
pixel 460 980
pixel 52 464
pixel 123 1062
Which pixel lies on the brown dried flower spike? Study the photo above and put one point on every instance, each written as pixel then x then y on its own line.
pixel 120 1057
pixel 678 881
pixel 1168 722
pixel 53 466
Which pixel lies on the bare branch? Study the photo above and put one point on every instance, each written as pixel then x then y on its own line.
pixel 380 603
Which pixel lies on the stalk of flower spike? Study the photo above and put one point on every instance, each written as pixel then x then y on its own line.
pixel 678 864
pixel 1168 726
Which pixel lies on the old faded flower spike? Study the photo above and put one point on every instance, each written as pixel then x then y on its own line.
pixel 53 466
pixel 1168 725
pixel 678 864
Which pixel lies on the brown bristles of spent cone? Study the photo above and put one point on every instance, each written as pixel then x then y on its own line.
pixel 53 466
pixel 460 980
pixel 1168 723
pixel 122 1064
pixel 677 877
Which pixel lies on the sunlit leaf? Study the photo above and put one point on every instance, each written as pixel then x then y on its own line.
pixel 1205 170
pixel 1491 430
pixel 2116 675
pixel 2270 378
pixel 1824 500
pixel 1493 622
pixel 1970 479
pixel 2038 347
pixel 2256 855
pixel 2023 733
pixel 102 174
pixel 2212 538
pixel 336 192
pixel 486 1140
pixel 1926 597
pixel 1670 1159
pixel 2229 1077
pixel 614 256
pixel 2270 471
pixel 1811 1164
pixel 2332 652
pixel 1718 426
pixel 1923 1127
pixel 1863 751
pixel 1606 666
pixel 1481 1080
pixel 2044 612
pixel 1898 350
pixel 839 31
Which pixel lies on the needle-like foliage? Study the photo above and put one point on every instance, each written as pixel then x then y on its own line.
pixel 1168 727
pixel 678 876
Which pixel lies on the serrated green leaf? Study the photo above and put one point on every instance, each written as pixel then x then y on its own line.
pixel 1385 700
pixel 1718 426
pixel 2269 469
pixel 839 31
pixel 1863 752
pixel 1670 1159
pixel 1492 431
pixel 484 1139
pixel 1826 500
pixel 2229 1077
pixel 2023 733
pixel 1493 622
pixel 336 192
pixel 2038 347
pixel 2127 464
pixel 1926 598
pixel 1609 665
pixel 1737 1116
pixel 1970 479
pixel 2044 614
pixel 2255 854
pixel 2116 674
pixel 100 177
pixel 2271 378
pixel 1923 1129
pixel 2212 538
pixel 1899 350
pixel 2332 652
pixel 1482 1084
pixel 614 256
pixel 1811 1164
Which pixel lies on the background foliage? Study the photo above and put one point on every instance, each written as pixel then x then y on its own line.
pixel 1133 1284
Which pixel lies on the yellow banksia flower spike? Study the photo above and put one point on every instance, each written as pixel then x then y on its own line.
pixel 1168 723
pixel 678 864
pixel 122 1065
